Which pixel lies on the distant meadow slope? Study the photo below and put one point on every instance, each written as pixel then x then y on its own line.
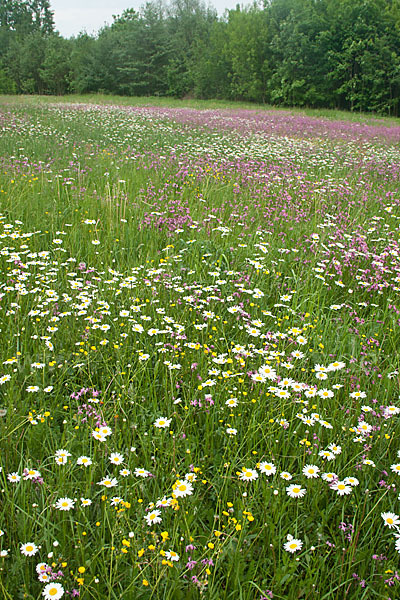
pixel 199 372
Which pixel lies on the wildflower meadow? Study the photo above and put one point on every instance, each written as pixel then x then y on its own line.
pixel 199 373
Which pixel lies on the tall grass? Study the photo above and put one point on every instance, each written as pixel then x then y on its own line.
pixel 235 278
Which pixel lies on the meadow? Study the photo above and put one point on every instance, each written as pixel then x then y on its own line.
pixel 199 373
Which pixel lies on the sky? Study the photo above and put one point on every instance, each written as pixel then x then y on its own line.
pixel 73 16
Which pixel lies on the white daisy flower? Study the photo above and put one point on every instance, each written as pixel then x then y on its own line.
pixel 248 474
pixel 64 504
pixel 116 458
pixel 182 489
pixel 311 471
pixel 292 545
pixel 108 482
pixel 86 502
pixel 85 461
pixel 395 468
pixel 162 422
pixel 295 491
pixel 153 517
pixel 341 488
pixel 391 520
pixel 267 468
pixel 29 549
pixel 53 591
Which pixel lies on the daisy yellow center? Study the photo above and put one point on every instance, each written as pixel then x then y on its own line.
pixel 182 487
pixel 397 467
pixel 161 422
pixel 341 486
pixel 173 553
pixel 29 548
pixel 65 503
pixel 152 517
pixel 248 474
pixel 52 592
pixel 389 520
pixel 296 490
pixel 107 482
pixel 293 546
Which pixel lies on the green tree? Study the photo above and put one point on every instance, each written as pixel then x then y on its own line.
pixel 363 54
pixel 189 22
pixel 7 85
pixel 24 27
pixel 142 50
pixel 55 68
pixel 23 62
pixel 211 65
pixel 84 65
pixel 247 48
pixel 299 65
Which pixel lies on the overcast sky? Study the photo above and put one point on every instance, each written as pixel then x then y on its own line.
pixel 73 16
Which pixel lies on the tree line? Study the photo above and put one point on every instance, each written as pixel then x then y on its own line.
pixel 319 53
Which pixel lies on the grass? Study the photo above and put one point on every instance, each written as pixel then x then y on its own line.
pixel 241 288
pixel 331 114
